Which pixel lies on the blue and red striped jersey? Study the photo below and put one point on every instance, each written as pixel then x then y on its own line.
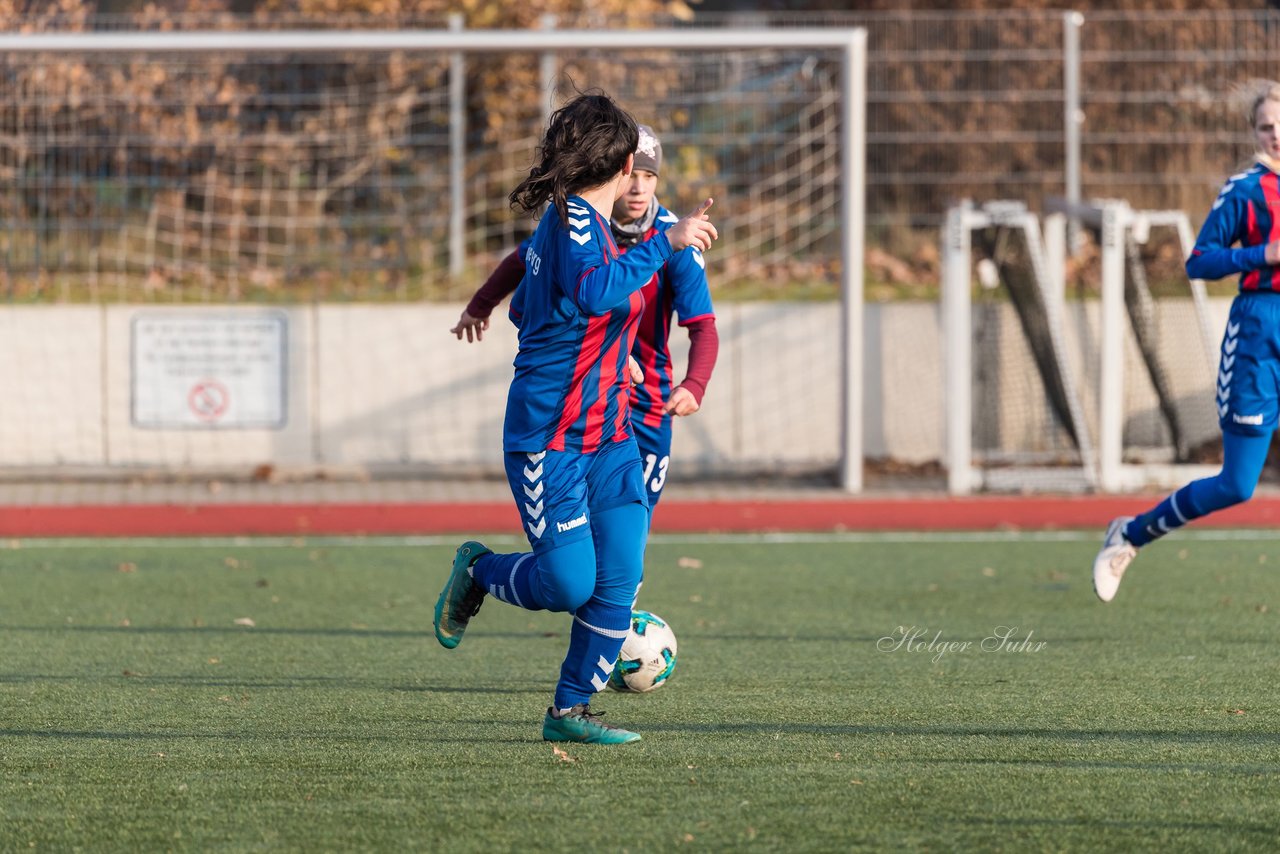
pixel 1247 211
pixel 577 308
pixel 680 287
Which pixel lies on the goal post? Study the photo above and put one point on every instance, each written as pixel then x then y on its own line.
pixel 208 235
pixel 1127 314
pixel 1057 450
pixel 1131 375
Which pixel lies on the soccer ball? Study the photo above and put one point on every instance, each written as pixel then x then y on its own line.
pixel 648 655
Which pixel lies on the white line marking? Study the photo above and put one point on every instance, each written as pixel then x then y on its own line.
pixel 901 538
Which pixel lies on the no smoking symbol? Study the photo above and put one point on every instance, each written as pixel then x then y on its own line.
pixel 208 400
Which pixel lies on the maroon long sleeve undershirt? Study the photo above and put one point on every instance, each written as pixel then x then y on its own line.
pixel 704 346
pixel 704 340
pixel 502 282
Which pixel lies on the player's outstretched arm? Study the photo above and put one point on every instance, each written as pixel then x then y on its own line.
pixel 501 283
pixel 704 345
pixel 694 230
pixel 472 327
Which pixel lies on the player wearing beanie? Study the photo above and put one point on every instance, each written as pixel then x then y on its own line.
pixel 569 450
pixel 678 289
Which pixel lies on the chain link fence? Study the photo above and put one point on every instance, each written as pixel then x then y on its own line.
pixel 153 179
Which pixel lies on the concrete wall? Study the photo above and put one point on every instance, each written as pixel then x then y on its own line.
pixel 387 387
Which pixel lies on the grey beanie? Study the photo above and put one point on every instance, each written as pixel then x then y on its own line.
pixel 649 151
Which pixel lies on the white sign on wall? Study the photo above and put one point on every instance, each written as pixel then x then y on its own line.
pixel 210 371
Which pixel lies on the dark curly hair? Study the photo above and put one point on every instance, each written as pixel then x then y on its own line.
pixel 586 143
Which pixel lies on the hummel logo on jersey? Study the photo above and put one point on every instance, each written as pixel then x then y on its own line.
pixel 562 527
pixel 536 522
pixel 1225 373
pixel 582 225
pixel 1246 419
pixel 1227 188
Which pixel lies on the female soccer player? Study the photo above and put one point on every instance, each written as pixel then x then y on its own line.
pixel 570 455
pixel 1247 394
pixel 679 287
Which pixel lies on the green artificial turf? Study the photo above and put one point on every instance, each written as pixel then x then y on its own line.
pixel 137 714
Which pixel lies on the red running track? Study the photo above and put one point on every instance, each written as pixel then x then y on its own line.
pixel 899 513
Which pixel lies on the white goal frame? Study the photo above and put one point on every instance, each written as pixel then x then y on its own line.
pixel 957 323
pixel 1113 218
pixel 1104 468
pixel 851 43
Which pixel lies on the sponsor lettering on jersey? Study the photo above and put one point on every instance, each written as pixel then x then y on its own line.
pixel 562 527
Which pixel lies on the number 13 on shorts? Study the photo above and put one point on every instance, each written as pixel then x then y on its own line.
pixel 651 464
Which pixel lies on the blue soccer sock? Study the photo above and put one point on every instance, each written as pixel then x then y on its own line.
pixel 1242 461
pixel 602 623
pixel 594 643
pixel 1169 515
pixel 510 578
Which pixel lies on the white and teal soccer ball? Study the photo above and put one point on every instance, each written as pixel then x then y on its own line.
pixel 648 655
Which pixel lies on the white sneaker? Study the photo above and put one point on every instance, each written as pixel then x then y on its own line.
pixel 1114 558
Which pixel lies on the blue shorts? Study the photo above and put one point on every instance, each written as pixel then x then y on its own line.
pixel 557 491
pixel 1248 385
pixel 654 443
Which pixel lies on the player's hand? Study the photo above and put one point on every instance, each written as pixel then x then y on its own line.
pixel 1272 254
pixel 694 230
pixel 634 371
pixel 472 327
pixel 681 402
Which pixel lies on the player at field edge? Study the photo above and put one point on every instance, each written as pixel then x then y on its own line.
pixel 679 287
pixel 1248 382
pixel 569 450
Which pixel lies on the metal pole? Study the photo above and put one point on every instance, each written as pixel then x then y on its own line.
pixel 853 214
pixel 1073 118
pixel 957 331
pixel 457 153
pixel 549 67
pixel 1111 350
pixel 499 41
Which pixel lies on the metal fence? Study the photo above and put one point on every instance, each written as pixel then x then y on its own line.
pixel 1015 105
pixel 1146 105
pixel 336 166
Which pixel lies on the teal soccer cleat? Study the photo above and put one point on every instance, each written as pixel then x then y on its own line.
pixel 461 598
pixel 584 726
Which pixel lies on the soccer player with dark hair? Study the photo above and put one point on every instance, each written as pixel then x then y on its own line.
pixel 678 288
pixel 1247 212
pixel 570 452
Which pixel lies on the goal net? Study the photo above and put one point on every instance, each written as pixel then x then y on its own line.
pixel 1112 393
pixel 229 251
